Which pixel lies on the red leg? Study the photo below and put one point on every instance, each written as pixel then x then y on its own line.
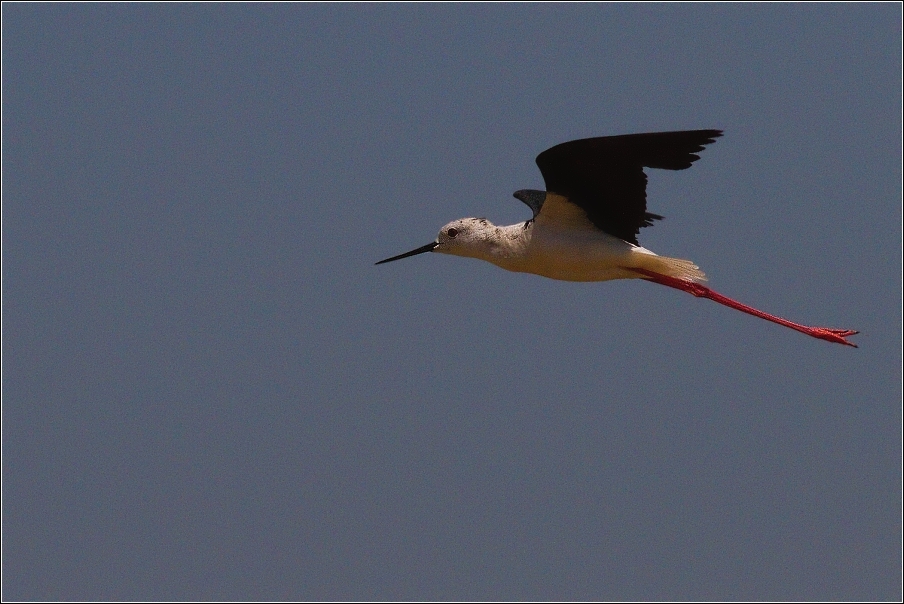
pixel 701 291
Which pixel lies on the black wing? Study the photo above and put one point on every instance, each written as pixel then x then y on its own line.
pixel 605 177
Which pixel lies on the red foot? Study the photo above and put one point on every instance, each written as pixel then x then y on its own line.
pixel 701 291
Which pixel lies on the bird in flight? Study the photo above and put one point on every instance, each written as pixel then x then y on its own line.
pixel 585 224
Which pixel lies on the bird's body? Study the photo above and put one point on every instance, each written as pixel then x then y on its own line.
pixel 585 225
pixel 560 243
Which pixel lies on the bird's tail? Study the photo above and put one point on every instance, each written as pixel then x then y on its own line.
pixel 671 267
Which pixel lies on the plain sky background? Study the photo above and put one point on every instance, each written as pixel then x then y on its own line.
pixel 210 392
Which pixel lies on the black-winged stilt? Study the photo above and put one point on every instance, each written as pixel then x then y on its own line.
pixel 585 224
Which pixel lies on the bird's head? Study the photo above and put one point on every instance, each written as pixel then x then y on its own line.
pixel 470 237
pixel 465 237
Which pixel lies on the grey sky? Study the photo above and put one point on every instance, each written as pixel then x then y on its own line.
pixel 210 392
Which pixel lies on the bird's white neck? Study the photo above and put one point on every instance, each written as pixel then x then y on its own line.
pixel 481 239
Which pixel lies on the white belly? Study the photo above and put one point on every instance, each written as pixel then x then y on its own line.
pixel 563 244
pixel 597 258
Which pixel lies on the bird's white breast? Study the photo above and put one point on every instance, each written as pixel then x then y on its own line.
pixel 561 243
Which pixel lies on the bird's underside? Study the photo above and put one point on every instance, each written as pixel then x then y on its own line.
pixel 560 242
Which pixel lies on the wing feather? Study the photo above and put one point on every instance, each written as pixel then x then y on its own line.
pixel 605 175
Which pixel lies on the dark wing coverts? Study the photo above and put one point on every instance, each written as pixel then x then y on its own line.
pixel 605 177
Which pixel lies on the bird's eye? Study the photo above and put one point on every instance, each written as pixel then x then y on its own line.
pixel 452 233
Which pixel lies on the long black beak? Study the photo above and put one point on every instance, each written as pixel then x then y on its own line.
pixel 426 248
